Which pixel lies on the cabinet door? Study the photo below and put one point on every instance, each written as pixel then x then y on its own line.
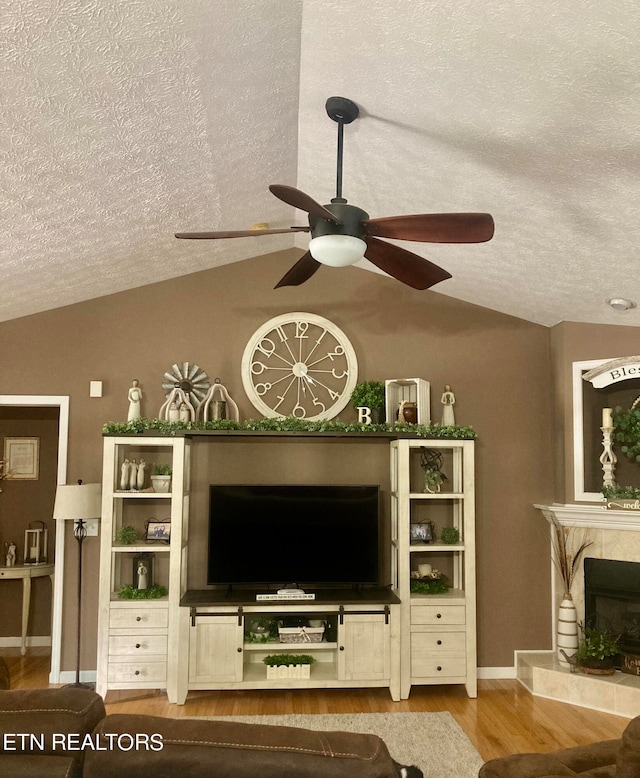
pixel 215 650
pixel 363 648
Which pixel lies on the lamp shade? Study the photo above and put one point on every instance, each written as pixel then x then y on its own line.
pixel 337 250
pixel 77 501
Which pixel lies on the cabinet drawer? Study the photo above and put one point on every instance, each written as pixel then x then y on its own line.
pixel 138 617
pixel 438 643
pixel 433 666
pixel 137 645
pixel 137 672
pixel 437 614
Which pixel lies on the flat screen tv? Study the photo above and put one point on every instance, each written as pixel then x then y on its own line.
pixel 277 535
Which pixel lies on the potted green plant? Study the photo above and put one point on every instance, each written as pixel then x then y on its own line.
pixel 126 535
pixel 597 650
pixel 161 477
pixel 288 665
pixel 370 394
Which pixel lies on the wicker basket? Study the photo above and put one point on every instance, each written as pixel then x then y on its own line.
pixel 300 634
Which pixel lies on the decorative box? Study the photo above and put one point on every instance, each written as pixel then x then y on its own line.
pixel 630 664
pixel 288 671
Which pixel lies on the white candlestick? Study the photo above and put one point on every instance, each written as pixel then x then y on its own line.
pixel 607 417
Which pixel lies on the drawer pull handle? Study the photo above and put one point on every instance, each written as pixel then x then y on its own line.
pixel 139 618
pixel 137 672
pixel 438 615
pixel 239 650
pixel 341 648
pixel 137 645
pixel 439 642
pixel 438 668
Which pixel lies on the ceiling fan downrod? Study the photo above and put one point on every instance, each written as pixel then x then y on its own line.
pixel 342 111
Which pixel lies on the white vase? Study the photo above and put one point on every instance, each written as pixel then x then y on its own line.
pixel 567 630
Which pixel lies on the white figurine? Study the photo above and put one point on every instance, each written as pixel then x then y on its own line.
pixel 142 576
pixel 11 555
pixel 448 400
pixel 140 478
pixel 135 397
pixel 133 474
pixel 124 474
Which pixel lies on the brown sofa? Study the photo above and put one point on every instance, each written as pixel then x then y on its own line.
pixel 46 733
pixel 606 759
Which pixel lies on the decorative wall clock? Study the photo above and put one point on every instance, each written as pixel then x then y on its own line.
pixel 299 364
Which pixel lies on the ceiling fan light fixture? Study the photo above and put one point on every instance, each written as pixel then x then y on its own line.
pixel 337 250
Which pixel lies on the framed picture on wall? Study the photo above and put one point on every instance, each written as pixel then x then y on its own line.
pixel 22 458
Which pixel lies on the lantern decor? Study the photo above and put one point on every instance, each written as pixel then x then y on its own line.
pixel 36 543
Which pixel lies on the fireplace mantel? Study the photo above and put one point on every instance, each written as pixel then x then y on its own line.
pixel 591 516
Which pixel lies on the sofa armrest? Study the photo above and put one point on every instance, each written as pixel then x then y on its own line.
pixel 153 747
pixel 525 766
pixel 48 722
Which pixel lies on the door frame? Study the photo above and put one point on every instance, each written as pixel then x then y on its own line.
pixel 62 403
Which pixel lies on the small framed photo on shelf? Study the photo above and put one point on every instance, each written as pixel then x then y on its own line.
pixel 159 530
pixel 421 532
pixel 143 571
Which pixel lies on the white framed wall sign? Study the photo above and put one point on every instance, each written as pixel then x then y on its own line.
pixel 22 458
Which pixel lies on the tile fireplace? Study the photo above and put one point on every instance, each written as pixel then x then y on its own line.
pixel 612 592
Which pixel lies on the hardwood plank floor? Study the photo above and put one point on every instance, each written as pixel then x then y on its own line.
pixel 504 719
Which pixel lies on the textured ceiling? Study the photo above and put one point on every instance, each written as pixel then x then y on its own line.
pixel 124 121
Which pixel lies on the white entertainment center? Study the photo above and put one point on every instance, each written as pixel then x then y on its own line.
pixel 199 638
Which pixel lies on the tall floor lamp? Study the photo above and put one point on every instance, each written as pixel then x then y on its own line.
pixel 77 503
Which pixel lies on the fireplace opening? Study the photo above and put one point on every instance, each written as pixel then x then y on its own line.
pixel 612 601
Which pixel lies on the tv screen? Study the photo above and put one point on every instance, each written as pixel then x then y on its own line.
pixel 285 534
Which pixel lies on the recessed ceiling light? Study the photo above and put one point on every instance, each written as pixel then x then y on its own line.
pixel 620 304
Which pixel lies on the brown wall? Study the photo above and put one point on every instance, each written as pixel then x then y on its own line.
pixel 23 502
pixel 499 368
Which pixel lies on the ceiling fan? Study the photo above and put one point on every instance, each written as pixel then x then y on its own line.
pixel 342 234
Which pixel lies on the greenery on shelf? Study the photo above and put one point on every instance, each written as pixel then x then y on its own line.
pixel 276 660
pixel 126 535
pixel 368 394
pixel 431 463
pixel 161 469
pixel 599 644
pixel 429 586
pixel 129 592
pixel 286 424
pixel 621 493
pixel 450 536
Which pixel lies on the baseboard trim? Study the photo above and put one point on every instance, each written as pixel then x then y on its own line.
pixel 86 676
pixel 496 673
pixel 33 640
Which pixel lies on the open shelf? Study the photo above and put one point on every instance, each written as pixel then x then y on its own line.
pixel 286 648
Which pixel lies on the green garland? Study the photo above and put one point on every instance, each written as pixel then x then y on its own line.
pixel 424 586
pixel 128 592
pixel 286 424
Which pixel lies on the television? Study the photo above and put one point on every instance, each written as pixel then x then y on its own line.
pixel 278 535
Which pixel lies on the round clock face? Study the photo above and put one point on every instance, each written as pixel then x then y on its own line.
pixel 301 365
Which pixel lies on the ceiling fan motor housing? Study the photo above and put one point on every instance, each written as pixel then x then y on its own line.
pixel 351 217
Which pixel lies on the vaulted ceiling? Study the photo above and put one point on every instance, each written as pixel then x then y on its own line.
pixel 124 121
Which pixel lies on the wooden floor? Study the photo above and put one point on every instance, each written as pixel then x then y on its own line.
pixel 504 719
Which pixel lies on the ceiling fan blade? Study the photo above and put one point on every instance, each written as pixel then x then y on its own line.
pixel 293 196
pixel 236 233
pixel 404 265
pixel 434 227
pixel 302 271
